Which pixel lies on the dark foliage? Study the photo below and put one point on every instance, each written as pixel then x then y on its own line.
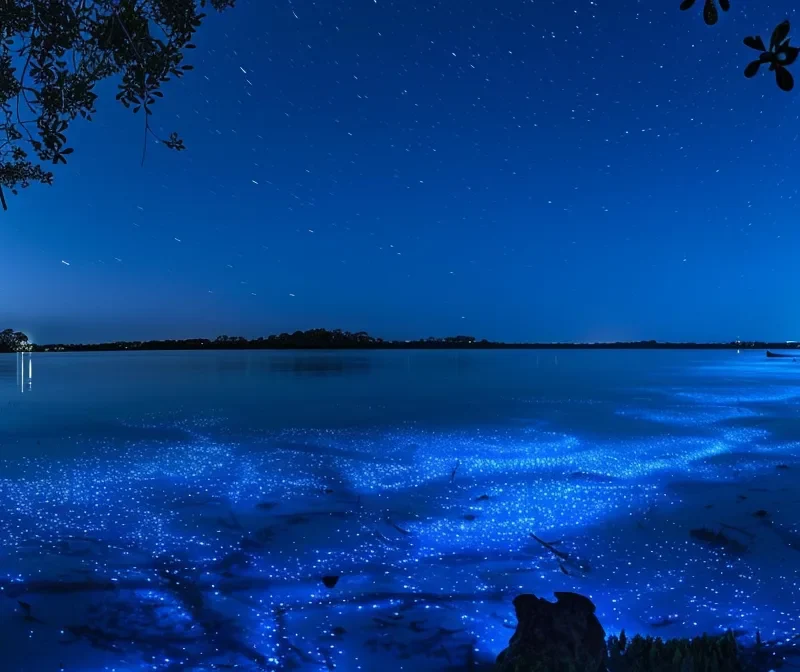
pixel 313 339
pixel 779 56
pixel 710 14
pixel 14 341
pixel 701 654
pixel 53 53
pixel 336 339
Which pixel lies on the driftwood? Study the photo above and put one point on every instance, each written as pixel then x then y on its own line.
pixel 551 548
pixel 564 558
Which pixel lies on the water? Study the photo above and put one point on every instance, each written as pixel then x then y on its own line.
pixel 177 511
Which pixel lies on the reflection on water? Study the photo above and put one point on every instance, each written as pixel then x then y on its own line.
pixel 178 511
pixel 24 371
pixel 320 365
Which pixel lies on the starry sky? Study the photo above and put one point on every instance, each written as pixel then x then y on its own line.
pixel 519 170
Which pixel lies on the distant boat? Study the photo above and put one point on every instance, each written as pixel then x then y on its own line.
pixel 777 354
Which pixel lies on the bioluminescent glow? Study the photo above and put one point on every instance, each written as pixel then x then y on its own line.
pixel 205 550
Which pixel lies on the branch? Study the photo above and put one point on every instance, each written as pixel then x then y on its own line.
pixel 144 85
pixel 58 50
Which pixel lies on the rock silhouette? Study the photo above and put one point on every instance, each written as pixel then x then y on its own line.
pixel 330 581
pixel 561 636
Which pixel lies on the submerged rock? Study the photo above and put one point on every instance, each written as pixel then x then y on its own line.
pixel 561 636
pixel 718 540
pixel 330 581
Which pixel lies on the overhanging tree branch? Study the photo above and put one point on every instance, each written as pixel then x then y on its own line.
pixel 66 47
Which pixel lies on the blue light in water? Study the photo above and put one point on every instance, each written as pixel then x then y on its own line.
pixel 184 554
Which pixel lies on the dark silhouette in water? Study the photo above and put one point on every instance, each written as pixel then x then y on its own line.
pixel 718 540
pixel 120 625
pixel 330 581
pixel 558 636
pixel 565 560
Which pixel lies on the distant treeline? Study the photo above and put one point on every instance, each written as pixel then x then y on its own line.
pixel 323 339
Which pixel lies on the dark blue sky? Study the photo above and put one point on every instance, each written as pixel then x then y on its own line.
pixel 565 170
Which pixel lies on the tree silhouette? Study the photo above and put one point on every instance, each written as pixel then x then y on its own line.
pixel 54 52
pixel 13 341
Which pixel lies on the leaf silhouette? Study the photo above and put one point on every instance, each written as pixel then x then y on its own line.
pixel 779 55
pixel 710 14
pixel 786 54
pixel 779 34
pixel 71 47
pixel 755 43
pixel 784 78
pixel 752 69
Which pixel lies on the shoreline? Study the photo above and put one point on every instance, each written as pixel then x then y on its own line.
pixel 255 345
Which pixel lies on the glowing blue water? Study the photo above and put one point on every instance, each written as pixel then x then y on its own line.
pixel 177 511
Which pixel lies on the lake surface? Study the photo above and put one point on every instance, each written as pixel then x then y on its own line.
pixel 179 510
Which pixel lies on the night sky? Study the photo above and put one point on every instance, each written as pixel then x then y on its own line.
pixel 540 170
